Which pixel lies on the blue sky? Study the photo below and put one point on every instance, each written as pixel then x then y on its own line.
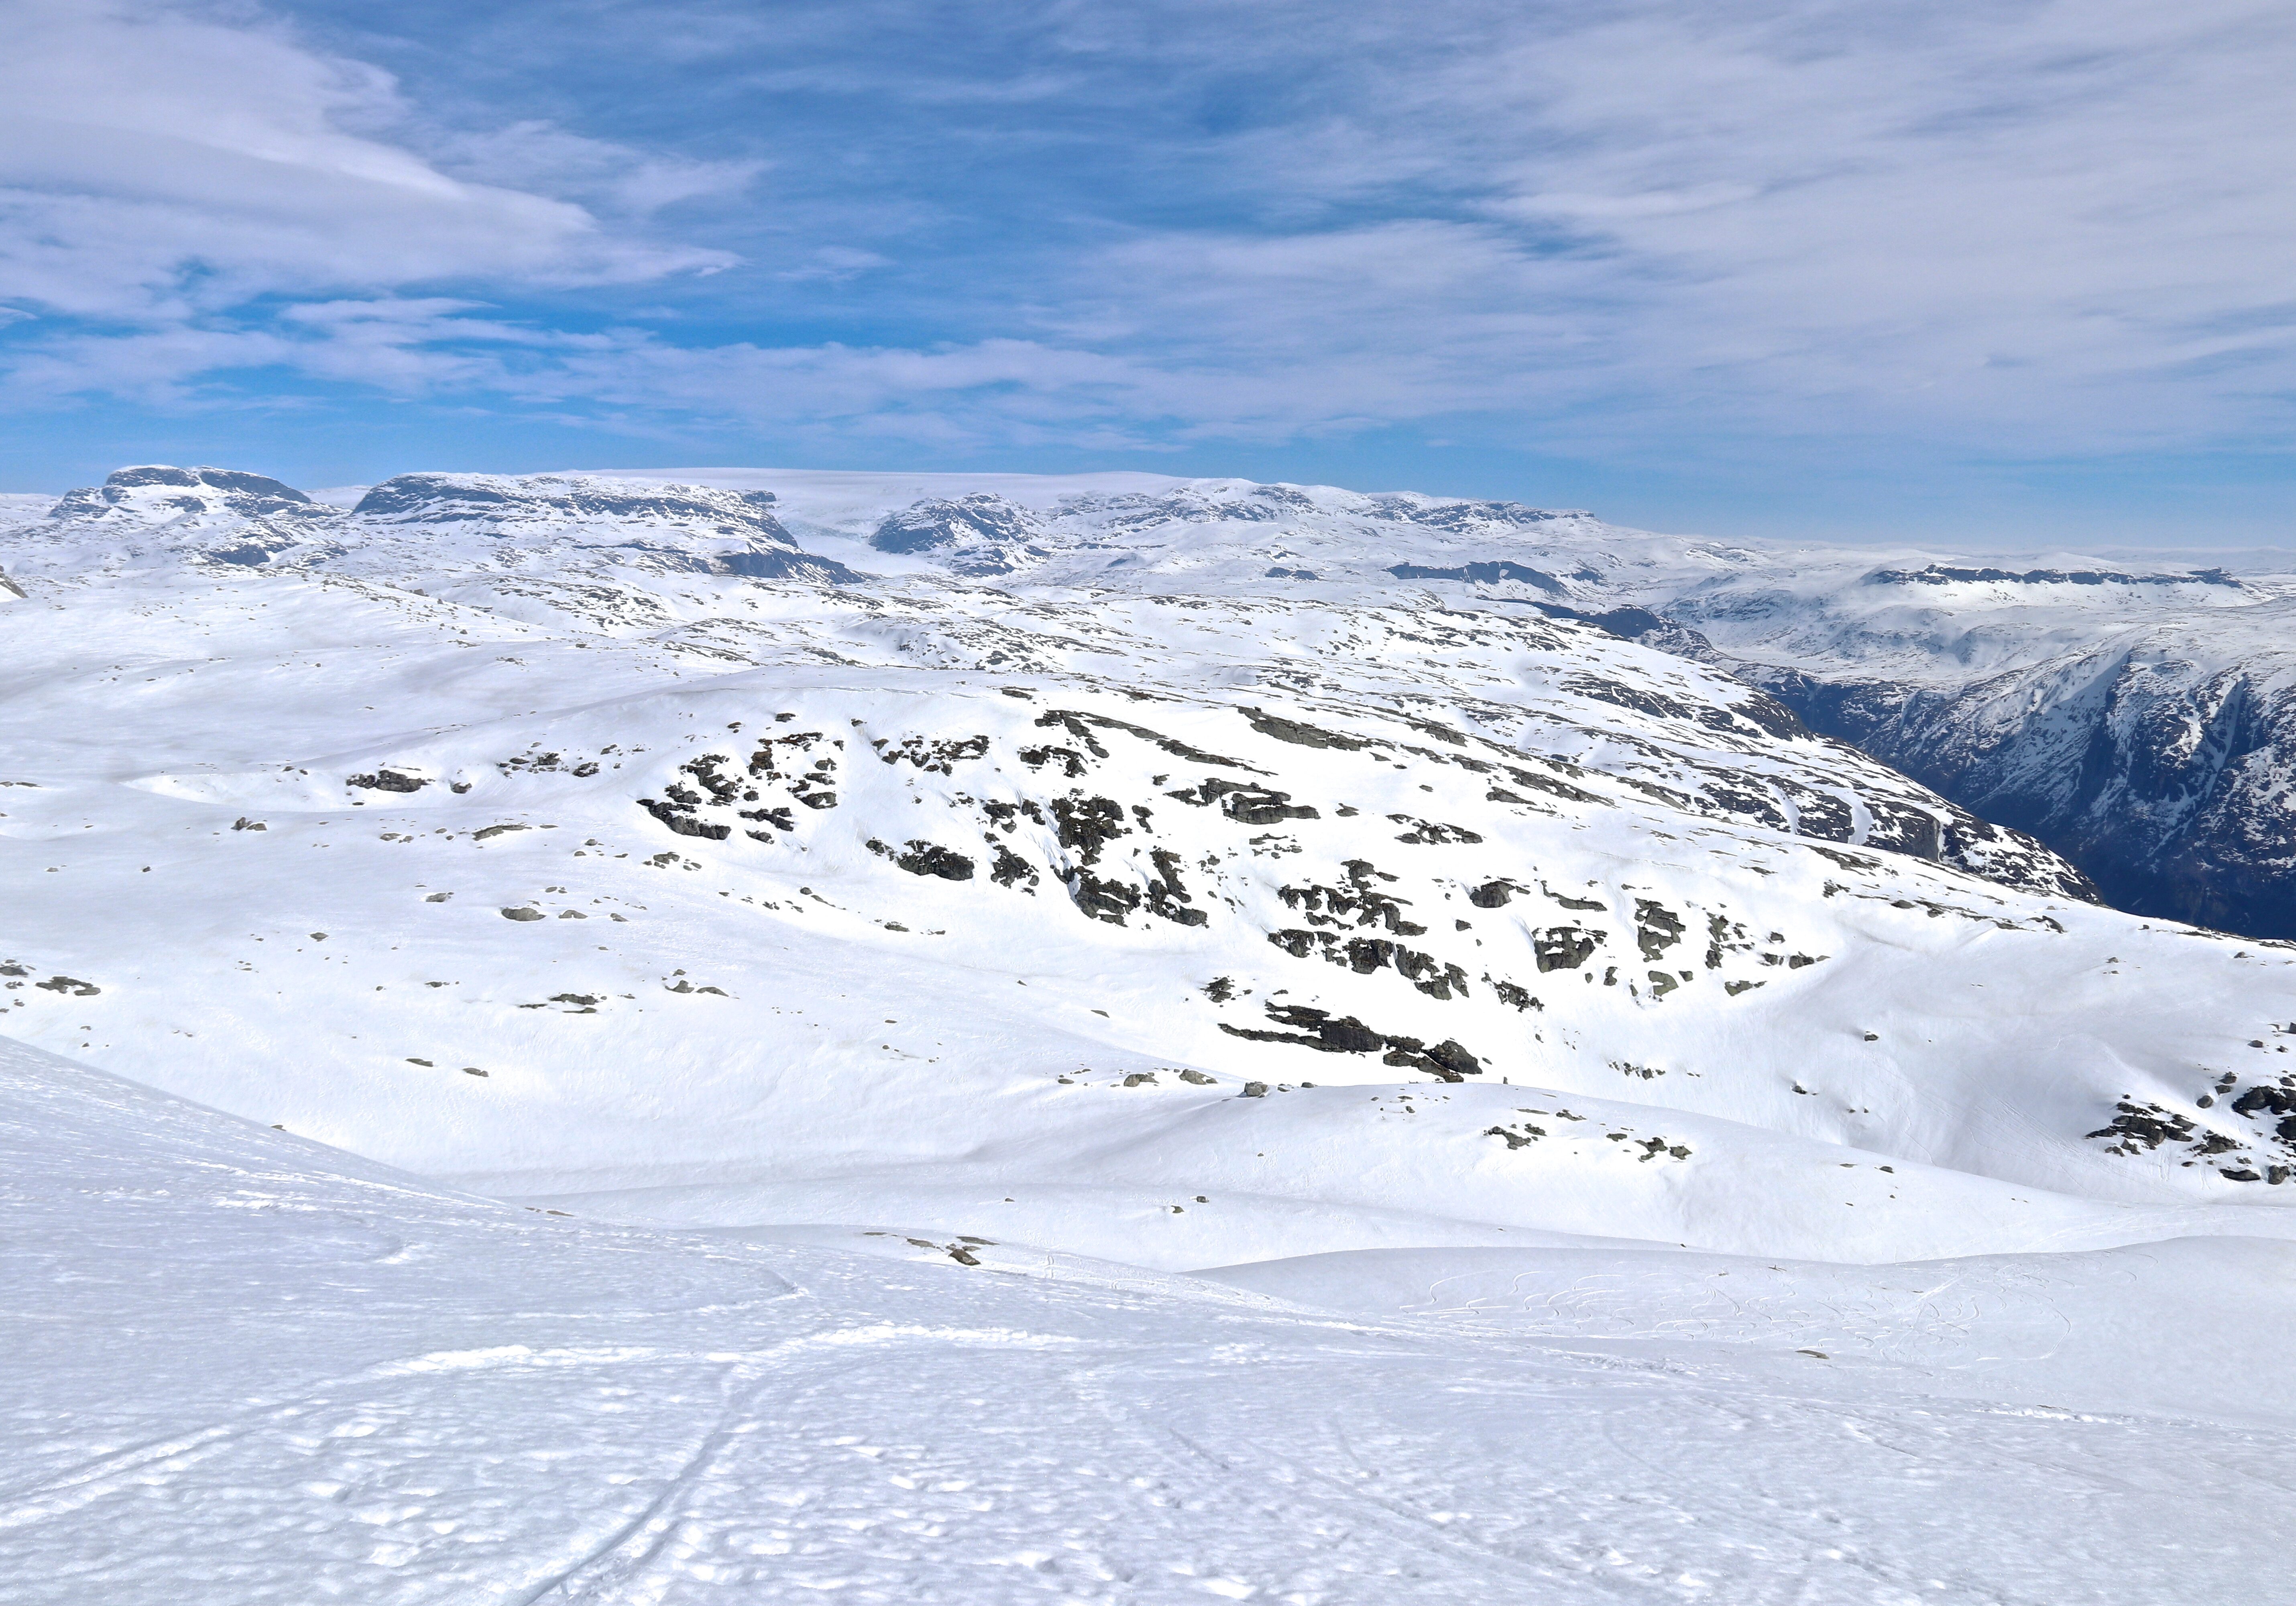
pixel 2004 274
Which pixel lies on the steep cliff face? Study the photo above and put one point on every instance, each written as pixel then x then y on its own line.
pixel 2167 777
pixel 2142 724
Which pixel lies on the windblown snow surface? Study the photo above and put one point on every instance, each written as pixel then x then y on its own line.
pixel 749 1036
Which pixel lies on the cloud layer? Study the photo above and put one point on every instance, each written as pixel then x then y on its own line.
pixel 156 165
pixel 1643 227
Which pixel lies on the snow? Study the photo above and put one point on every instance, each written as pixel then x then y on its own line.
pixel 936 1079
pixel 261 1371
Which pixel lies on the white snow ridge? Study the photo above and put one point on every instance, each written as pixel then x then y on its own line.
pixel 747 1036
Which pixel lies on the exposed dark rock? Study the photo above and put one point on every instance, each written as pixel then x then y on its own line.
pixel 2264 1100
pixel 539 502
pixel 1358 904
pixel 1428 833
pixel 2147 1124
pixel 1109 901
pixel 927 859
pixel 675 816
pixel 1465 517
pixel 1485 575
pixel 1087 824
pixel 1071 760
pixel 1365 955
pixel 389 780
pixel 206 490
pixel 1079 723
pixel 1167 896
pixel 1301 735
pixel 935 757
pixel 1656 928
pixel 1549 785
pixel 1313 1028
pixel 1564 947
pixel 1076 725
pixel 770 563
pixel 1010 870
pixel 1256 806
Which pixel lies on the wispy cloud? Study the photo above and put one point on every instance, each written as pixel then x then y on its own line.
pixel 156 164
pixel 2026 227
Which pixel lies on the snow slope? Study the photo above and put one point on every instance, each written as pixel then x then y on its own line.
pixel 2136 712
pixel 245 1368
pixel 1181 928
pixel 1091 1072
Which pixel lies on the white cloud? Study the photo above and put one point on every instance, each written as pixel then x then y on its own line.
pixel 2033 224
pixel 2056 224
pixel 835 265
pixel 533 155
pixel 155 163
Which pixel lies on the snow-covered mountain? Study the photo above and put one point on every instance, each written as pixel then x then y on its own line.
pixel 587 796
pixel 922 967
pixel 2141 720
pixel 546 530
pixel 2137 715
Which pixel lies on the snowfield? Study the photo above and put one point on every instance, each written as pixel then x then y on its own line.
pixel 1105 1039
pixel 248 1369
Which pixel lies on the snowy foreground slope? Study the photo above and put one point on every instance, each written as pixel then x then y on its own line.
pixel 1544 1018
pixel 245 1368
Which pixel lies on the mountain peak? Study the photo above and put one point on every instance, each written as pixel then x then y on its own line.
pixel 158 493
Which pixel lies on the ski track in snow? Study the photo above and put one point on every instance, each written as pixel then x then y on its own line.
pixel 545 1409
pixel 1387 1095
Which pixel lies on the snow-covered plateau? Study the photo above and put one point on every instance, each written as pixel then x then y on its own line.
pixel 744 1035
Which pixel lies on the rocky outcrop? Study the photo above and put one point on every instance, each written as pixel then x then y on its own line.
pixel 697 527
pixel 976 534
pixel 157 494
pixel 2167 780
